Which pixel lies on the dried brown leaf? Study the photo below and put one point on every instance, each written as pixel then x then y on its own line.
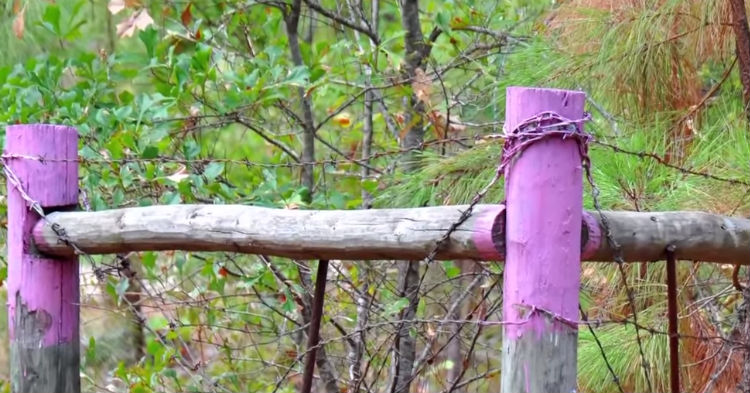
pixel 138 21
pixel 19 23
pixel 438 120
pixel 186 16
pixel 421 85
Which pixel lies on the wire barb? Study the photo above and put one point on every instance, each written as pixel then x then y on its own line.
pixel 59 231
pixel 620 261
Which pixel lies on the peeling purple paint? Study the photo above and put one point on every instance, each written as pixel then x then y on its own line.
pixel 483 233
pixel 544 194
pixel 42 286
pixel 594 239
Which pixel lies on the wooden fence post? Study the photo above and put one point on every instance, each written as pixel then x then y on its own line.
pixel 43 297
pixel 544 193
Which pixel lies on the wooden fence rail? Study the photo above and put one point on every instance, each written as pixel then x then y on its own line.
pixel 381 234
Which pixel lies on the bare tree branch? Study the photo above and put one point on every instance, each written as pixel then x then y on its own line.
pixel 346 22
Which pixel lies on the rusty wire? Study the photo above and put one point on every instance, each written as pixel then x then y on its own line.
pixel 12 179
pixel 643 155
pixel 99 271
pixel 674 338
pixel 620 262
pixel 313 335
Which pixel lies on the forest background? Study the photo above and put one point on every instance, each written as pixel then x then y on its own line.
pixel 354 104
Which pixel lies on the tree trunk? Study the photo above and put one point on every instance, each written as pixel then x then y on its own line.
pixel 416 51
pixel 308 132
pixel 133 299
pixel 364 300
pixel 405 343
pixel 742 47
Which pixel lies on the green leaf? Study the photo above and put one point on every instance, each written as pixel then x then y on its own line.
pixel 213 170
pixel 51 18
pixel 123 113
pixel 91 351
pixel 118 197
pixel 122 287
pixel 153 347
pixel 451 270
pixel 171 198
pixel 298 76
pixel 150 152
pixel 288 305
pixel 443 21
pixel 171 373
pixel 316 73
pixel 370 185
pixel 158 322
pixel 397 306
pixel 201 58
pixel 191 149
pixel 149 38
pixel 148 259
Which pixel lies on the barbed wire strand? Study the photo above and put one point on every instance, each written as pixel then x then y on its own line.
pixel 544 125
pixel 101 271
pixel 620 262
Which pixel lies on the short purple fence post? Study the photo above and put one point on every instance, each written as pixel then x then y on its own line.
pixel 43 297
pixel 544 197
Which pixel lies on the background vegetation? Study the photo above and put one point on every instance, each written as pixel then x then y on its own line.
pixel 356 104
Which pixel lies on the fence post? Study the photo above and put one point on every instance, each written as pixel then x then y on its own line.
pixel 43 298
pixel 544 193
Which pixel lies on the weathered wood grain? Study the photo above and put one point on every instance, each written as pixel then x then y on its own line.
pixel 377 234
pixel 544 198
pixel 350 234
pixel 43 299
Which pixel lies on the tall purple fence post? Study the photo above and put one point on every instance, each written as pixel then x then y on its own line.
pixel 544 197
pixel 43 298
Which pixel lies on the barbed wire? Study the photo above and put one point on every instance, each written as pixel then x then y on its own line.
pixel 100 269
pixel 469 320
pixel 36 207
pixel 662 161
pixel 243 162
pixel 643 155
pixel 591 324
pixel 620 261
pixel 545 125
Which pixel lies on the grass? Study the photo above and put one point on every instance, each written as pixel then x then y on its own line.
pixel 718 146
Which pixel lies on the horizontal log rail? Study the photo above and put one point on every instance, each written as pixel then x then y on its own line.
pixel 381 233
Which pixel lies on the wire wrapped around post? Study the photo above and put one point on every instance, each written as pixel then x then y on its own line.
pixel 543 157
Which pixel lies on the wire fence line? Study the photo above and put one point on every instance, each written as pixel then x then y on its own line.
pixel 659 159
pixel 158 298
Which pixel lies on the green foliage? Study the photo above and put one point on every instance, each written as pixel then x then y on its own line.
pixel 199 102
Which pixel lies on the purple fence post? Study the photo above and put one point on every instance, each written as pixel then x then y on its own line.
pixel 544 198
pixel 43 298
